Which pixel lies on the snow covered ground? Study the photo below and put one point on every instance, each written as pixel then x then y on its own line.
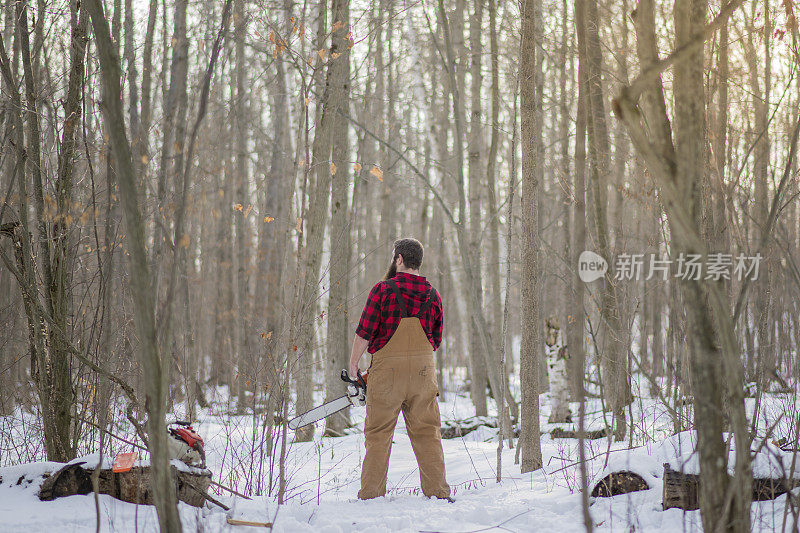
pixel 323 479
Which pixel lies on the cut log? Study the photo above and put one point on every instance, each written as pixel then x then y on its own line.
pixel 681 490
pixel 619 483
pixel 133 486
pixel 70 480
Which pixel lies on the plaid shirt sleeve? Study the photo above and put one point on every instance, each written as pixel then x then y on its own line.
pixel 371 315
pixel 437 310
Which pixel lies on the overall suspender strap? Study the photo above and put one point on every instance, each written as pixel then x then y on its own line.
pixel 401 302
pixel 426 304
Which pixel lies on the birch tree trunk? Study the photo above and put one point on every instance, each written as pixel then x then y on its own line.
pixel 556 354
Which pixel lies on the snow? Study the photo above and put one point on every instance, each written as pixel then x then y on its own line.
pixel 324 476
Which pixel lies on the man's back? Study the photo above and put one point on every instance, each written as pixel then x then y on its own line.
pixel 401 325
pixel 381 313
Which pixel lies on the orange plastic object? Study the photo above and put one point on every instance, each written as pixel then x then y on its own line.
pixel 124 461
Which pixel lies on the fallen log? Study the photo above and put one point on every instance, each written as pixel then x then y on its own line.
pixel 559 433
pixel 133 486
pixel 459 428
pixel 619 483
pixel 681 490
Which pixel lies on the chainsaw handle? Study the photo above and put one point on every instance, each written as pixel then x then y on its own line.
pixel 360 380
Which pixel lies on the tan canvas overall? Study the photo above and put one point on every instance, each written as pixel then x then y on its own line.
pixel 402 376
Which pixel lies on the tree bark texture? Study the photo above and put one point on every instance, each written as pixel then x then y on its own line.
pixel 530 73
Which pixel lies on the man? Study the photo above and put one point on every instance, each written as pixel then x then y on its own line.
pixel 401 326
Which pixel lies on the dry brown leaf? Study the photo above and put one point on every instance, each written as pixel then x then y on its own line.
pixel 377 172
pixel 357 167
pixel 268 219
pixel 333 169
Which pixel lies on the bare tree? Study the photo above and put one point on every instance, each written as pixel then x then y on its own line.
pixel 530 75
pixel 338 334
pixel 151 361
pixel 677 167
pixel 616 383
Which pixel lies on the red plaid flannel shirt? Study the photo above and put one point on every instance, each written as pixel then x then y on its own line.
pixel 381 314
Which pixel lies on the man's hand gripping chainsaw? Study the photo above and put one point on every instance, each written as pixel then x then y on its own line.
pixel 356 388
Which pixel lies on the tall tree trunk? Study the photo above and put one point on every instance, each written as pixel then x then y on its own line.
pixel 494 266
pixel 474 148
pixel 765 360
pixel 616 384
pixel 384 90
pixel 336 357
pixel 316 217
pixel 721 239
pixel 174 97
pixel 576 320
pixel 147 81
pixel 133 85
pixel 245 368
pixel 530 75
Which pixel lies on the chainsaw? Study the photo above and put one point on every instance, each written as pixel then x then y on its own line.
pixel 185 444
pixel 356 396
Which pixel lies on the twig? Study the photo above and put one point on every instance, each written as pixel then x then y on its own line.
pixel 207 497
pixel 220 485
